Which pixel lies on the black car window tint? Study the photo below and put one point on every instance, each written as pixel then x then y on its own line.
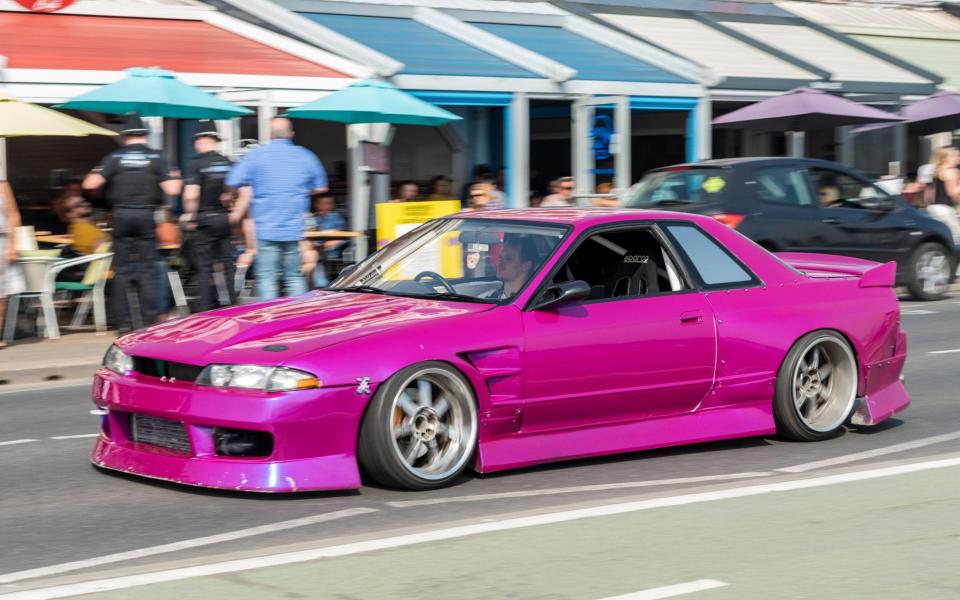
pixel 781 185
pixel 839 190
pixel 713 263
pixel 622 264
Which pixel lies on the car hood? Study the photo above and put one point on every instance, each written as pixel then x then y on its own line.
pixel 289 327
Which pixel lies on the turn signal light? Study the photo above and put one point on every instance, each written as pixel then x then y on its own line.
pixel 729 219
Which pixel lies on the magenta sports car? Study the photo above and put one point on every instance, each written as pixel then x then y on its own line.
pixel 502 339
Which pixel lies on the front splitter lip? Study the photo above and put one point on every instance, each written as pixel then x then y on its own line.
pixel 323 473
pixel 178 482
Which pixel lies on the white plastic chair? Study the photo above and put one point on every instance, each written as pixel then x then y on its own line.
pixel 93 284
pixel 36 269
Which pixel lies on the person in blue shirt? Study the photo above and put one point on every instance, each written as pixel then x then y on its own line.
pixel 325 218
pixel 275 181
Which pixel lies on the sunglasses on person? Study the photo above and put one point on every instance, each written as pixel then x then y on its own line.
pixel 566 187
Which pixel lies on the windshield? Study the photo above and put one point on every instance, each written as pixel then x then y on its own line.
pixel 666 188
pixel 472 260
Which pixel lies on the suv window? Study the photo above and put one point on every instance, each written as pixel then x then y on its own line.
pixel 839 190
pixel 685 186
pixel 714 264
pixel 781 185
pixel 624 263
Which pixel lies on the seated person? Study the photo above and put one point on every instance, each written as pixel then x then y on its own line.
pixel 323 218
pixel 87 237
pixel 830 196
pixel 514 267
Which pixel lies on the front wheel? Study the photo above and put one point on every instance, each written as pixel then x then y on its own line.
pixel 420 429
pixel 929 271
pixel 816 387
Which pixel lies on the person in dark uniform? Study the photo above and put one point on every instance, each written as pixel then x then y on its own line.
pixel 136 178
pixel 204 204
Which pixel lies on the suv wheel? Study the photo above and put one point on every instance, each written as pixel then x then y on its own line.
pixel 929 271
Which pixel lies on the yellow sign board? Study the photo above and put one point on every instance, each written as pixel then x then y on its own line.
pixel 397 218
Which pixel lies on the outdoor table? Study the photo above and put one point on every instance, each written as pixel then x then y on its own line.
pixel 55 239
pixel 332 234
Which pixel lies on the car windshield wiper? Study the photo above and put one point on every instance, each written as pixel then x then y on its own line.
pixel 363 289
pixel 457 297
pixel 673 202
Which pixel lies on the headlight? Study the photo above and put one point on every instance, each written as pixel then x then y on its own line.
pixel 255 377
pixel 117 361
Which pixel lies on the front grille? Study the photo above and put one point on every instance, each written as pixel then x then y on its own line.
pixel 166 368
pixel 159 432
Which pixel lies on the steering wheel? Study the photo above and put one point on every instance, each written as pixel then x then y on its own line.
pixel 436 277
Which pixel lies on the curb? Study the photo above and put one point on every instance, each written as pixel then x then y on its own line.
pixel 46 375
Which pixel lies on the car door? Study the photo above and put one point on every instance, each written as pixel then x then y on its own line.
pixel 784 212
pixel 625 354
pixel 868 222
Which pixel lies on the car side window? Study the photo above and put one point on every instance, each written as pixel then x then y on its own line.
pixel 713 263
pixel 626 263
pixel 781 185
pixel 839 190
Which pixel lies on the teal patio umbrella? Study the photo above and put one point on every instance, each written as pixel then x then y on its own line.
pixel 373 101
pixel 153 92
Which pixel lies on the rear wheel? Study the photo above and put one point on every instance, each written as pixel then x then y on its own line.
pixel 816 387
pixel 420 429
pixel 928 271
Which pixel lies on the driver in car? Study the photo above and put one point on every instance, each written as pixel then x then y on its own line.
pixel 517 259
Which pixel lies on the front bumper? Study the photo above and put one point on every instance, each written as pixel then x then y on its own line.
pixel 314 434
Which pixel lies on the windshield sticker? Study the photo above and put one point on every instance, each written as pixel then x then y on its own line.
pixel 478 247
pixel 714 184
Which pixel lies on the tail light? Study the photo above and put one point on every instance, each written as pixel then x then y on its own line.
pixel 729 219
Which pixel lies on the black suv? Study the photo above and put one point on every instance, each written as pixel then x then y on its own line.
pixel 807 205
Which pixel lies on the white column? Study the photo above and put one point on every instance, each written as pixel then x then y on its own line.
pixel 3 159
pixel 519 150
pixel 704 140
pixel 155 137
pixel 624 132
pixel 796 143
pixel 359 188
pixel 582 116
pixel 265 111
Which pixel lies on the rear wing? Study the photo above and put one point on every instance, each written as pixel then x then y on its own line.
pixel 870 273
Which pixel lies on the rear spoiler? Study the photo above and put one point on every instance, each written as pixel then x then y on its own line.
pixel 871 274
pixel 884 275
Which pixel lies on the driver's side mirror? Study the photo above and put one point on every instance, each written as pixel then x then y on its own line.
pixel 562 293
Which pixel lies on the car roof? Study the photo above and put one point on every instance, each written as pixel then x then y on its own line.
pixel 578 217
pixel 721 163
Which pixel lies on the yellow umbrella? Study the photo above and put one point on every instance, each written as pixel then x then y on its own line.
pixel 22 118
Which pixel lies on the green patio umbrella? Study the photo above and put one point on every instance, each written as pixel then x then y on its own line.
pixel 152 92
pixel 373 101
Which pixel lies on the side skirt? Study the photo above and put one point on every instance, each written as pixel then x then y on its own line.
pixel 523 450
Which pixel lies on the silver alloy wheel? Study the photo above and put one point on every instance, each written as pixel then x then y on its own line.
pixel 933 272
pixel 825 383
pixel 434 424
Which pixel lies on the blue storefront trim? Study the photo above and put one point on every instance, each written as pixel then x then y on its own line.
pixel 444 98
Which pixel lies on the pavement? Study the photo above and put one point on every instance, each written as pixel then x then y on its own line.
pixel 38 360
pixel 64 523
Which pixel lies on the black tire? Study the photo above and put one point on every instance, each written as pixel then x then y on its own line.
pixel 379 448
pixel 797 407
pixel 918 274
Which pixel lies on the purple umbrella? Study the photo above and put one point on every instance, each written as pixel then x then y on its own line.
pixel 801 109
pixel 939 112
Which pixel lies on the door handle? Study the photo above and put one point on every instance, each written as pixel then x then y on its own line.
pixel 831 221
pixel 692 317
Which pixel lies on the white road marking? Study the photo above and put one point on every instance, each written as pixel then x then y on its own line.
pixel 43 386
pixel 233 566
pixel 12 442
pixel 954 351
pixel 572 490
pixel 918 311
pixel 848 458
pixel 670 591
pixel 183 545
pixel 74 437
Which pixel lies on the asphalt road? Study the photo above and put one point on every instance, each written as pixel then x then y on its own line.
pixel 55 508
